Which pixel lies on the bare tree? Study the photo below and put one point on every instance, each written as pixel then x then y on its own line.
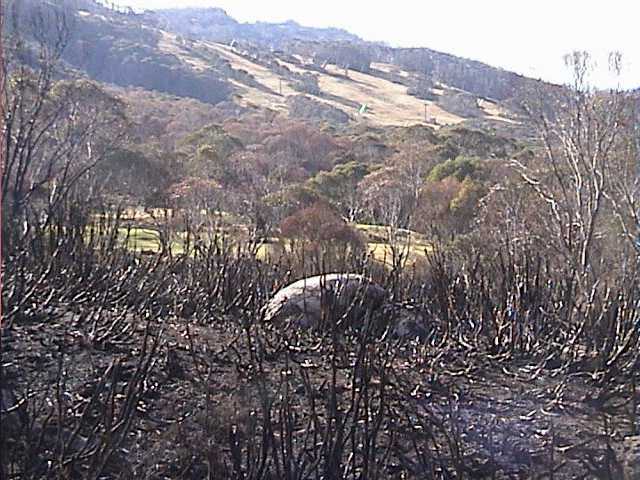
pixel 580 130
pixel 54 131
pixel 624 176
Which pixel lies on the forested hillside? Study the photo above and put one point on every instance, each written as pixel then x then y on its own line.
pixel 186 53
pixel 214 24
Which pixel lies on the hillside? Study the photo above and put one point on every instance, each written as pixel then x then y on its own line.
pixel 311 74
pixel 215 25
pixel 272 84
pixel 281 128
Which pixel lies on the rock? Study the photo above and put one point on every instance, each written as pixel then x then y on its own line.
pixel 305 302
pixel 302 302
pixel 409 322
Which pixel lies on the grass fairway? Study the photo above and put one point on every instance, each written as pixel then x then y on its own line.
pixel 140 239
pixel 411 254
pixel 146 240
pixel 412 246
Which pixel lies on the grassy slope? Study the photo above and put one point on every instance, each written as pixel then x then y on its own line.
pixel 388 102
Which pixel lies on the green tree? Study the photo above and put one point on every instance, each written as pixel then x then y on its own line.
pixel 340 187
pixel 459 167
pixel 448 207
pixel 207 154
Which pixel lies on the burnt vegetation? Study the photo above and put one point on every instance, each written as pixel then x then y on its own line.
pixel 125 366
pixel 127 362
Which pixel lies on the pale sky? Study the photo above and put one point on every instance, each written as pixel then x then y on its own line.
pixel 526 36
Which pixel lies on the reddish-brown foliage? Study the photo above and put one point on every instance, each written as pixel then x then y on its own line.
pixel 319 224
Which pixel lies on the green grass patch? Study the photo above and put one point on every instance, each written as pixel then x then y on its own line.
pixel 147 240
pixel 412 253
pixel 412 245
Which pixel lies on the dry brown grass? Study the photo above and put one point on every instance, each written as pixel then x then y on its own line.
pixel 388 103
pixel 494 111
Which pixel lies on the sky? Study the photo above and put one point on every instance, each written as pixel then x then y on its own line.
pixel 526 36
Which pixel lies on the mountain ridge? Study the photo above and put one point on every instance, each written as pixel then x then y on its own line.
pixel 228 29
pixel 445 67
pixel 317 74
